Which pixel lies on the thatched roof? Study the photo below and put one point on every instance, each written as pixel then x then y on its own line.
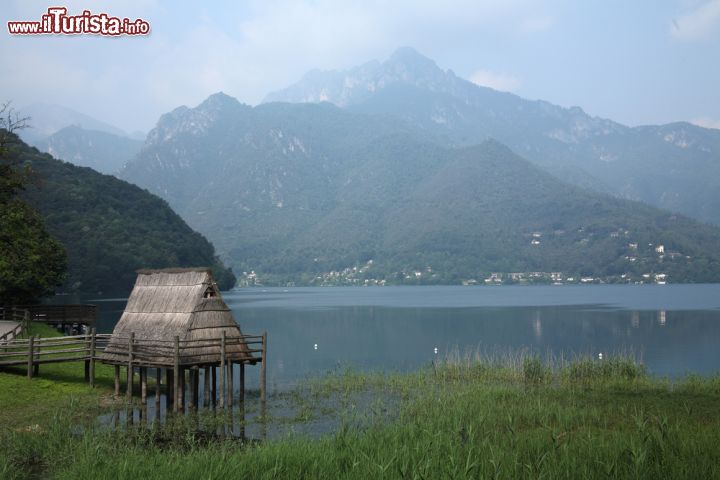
pixel 175 302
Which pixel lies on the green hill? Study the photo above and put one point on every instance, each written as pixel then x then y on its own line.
pixel 109 227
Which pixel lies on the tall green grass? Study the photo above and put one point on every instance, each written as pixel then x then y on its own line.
pixel 524 418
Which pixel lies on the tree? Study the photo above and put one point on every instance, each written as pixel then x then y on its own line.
pixel 32 263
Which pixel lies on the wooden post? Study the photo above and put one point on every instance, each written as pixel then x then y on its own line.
pixel 192 401
pixel 196 387
pixel 87 360
pixel 231 381
pixel 206 387
pixel 176 372
pixel 128 392
pixel 31 345
pixel 117 380
pixel 242 381
pixel 36 363
pixel 263 369
pixel 213 395
pixel 26 319
pixel 93 334
pixel 143 385
pixel 169 388
pixel 222 370
pixel 181 390
pixel 158 382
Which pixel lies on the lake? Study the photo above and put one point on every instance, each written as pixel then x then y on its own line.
pixel 673 329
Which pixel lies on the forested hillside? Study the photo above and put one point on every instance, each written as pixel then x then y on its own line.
pixel 110 228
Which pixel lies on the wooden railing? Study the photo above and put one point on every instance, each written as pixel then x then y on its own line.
pixel 85 314
pixel 157 353
pixel 34 351
pixel 168 353
pixel 14 314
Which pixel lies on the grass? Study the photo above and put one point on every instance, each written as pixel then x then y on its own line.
pixel 25 404
pixel 514 417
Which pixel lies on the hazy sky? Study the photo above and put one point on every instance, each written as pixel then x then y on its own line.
pixel 637 62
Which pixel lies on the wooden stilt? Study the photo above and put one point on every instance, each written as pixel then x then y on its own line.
pixel 129 383
pixel 143 385
pixel 181 390
pixel 241 414
pixel 117 381
pixel 131 340
pixel 213 395
pixel 222 371
pixel 158 381
pixel 176 371
pixel 206 387
pixel 169 388
pixel 192 400
pixel 231 381
pixel 242 381
pixel 263 370
pixel 196 387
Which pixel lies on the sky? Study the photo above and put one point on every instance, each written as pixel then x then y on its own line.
pixel 636 62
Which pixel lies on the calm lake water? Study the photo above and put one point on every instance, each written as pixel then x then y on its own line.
pixel 674 329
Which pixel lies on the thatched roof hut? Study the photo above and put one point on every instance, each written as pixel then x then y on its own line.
pixel 176 302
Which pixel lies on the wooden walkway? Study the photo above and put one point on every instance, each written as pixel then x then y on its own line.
pixel 8 329
pixel 83 314
pixel 13 323
pixel 35 351
pixel 150 354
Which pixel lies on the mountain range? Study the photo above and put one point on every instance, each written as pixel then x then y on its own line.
pixel 401 172
pixel 674 166
pixel 78 138
pixel 299 190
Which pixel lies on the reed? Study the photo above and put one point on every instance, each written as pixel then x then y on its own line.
pixel 525 418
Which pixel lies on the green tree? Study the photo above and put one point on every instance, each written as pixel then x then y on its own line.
pixel 32 263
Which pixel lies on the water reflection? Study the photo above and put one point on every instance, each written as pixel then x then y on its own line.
pixel 674 328
pixel 671 342
pixel 537 325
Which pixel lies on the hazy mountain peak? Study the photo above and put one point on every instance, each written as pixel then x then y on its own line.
pixel 219 99
pixel 46 119
pixel 195 121
pixel 102 151
pixel 410 56
pixel 405 66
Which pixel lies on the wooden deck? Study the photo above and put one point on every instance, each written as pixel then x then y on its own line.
pixel 143 355
pixel 7 329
